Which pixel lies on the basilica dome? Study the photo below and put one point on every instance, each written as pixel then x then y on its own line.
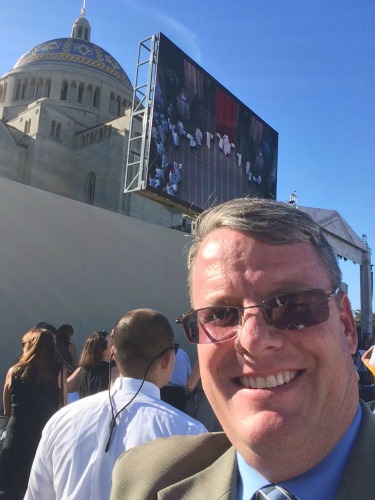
pixel 84 80
pixel 77 51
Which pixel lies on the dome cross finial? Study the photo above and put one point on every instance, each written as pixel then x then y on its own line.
pixel 83 10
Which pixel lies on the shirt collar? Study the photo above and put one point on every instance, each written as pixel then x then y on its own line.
pixel 324 477
pixel 133 384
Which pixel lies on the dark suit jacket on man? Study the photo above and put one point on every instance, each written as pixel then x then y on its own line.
pixel 204 466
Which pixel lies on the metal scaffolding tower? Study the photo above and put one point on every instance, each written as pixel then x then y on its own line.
pixel 141 115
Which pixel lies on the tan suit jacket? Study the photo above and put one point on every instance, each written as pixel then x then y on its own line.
pixel 204 467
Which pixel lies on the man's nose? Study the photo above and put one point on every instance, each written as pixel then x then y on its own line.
pixel 255 335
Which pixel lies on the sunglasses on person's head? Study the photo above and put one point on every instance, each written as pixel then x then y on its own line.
pixel 102 333
pixel 287 311
pixel 173 347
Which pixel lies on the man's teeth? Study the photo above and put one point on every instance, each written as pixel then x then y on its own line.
pixel 268 382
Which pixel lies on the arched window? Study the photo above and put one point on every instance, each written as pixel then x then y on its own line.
pixel 118 105
pixel 81 89
pixel 89 95
pixel 90 188
pixel 58 131
pixel 18 90
pixel 53 128
pixel 100 134
pixel 112 103
pixel 24 90
pixel 83 141
pixel 31 89
pixel 72 96
pixel 86 34
pixel 91 137
pixel 47 88
pixel 39 89
pixel 79 31
pixel 64 90
pixel 96 97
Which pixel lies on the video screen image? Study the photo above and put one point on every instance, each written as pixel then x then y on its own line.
pixel 206 146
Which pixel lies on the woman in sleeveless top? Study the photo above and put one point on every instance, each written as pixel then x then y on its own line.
pixel 33 392
pixel 92 376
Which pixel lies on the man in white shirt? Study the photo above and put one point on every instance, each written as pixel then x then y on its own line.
pixel 82 441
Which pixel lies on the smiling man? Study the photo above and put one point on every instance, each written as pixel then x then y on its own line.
pixel 275 342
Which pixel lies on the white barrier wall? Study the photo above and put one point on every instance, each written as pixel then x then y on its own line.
pixel 63 261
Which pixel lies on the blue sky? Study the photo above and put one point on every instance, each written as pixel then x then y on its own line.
pixel 306 67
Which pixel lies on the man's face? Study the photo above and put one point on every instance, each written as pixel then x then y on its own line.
pixel 308 413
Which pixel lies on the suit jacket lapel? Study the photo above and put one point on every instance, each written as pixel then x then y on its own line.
pixel 358 480
pixel 218 481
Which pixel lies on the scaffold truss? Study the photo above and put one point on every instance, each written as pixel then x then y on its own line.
pixel 141 115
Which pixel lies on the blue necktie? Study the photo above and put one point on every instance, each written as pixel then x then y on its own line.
pixel 273 492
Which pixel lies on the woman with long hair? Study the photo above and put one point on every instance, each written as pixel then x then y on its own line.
pixel 34 389
pixel 65 348
pixel 95 364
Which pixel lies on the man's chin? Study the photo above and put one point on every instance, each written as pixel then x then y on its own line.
pixel 260 430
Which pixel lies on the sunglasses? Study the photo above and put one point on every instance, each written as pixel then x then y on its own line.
pixel 174 348
pixel 288 311
pixel 102 334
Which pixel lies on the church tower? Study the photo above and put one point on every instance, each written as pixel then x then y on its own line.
pixel 81 27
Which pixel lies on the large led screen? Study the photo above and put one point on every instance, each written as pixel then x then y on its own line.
pixel 206 146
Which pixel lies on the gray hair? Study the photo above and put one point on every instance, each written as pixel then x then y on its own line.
pixel 273 222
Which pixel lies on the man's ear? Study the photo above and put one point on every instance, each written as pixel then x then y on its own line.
pixel 113 353
pixel 347 320
pixel 166 359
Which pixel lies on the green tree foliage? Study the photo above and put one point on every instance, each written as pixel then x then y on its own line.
pixel 357 318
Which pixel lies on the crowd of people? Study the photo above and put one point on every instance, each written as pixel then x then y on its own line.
pixel 276 376
pixel 136 361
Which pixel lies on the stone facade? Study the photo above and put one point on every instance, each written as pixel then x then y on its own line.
pixel 65 112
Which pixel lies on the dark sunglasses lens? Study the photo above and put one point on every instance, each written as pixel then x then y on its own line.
pixel 211 324
pixel 190 326
pixel 297 310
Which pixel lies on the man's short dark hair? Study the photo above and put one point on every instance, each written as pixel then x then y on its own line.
pixel 138 337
